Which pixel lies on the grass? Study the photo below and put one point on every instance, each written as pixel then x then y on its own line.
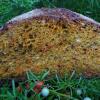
pixel 61 88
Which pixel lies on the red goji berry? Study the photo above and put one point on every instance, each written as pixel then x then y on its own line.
pixel 38 86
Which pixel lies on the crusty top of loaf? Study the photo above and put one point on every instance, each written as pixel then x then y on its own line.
pixel 55 13
pixel 61 12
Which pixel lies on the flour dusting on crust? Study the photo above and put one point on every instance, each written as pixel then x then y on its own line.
pixel 38 12
pixel 30 14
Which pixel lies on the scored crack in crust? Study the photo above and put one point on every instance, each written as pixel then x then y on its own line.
pixel 57 39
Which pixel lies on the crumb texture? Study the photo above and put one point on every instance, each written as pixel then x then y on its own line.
pixel 58 40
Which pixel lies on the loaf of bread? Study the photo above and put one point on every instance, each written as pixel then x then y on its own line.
pixel 57 40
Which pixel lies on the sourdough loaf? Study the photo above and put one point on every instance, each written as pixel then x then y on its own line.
pixel 58 40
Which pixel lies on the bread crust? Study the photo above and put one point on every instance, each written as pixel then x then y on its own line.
pixel 54 14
